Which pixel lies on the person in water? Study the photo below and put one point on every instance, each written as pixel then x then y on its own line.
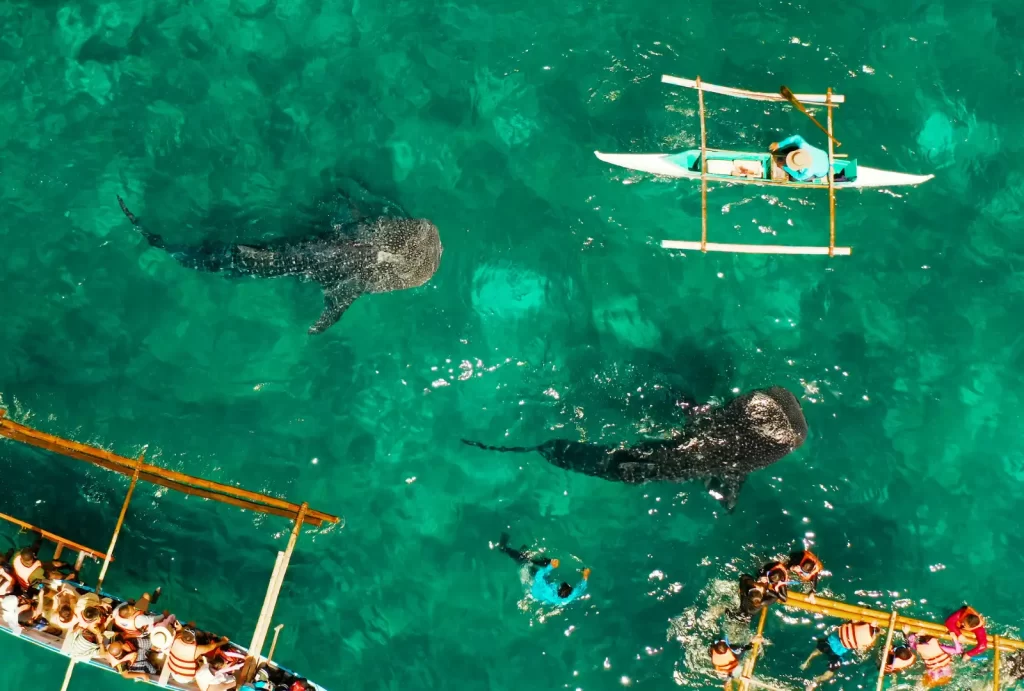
pixel 806 567
pixel 725 658
pixel 967 620
pixel 775 577
pixel 937 658
pixel 754 596
pixel 542 589
pixel 803 162
pixel 841 646
pixel 900 658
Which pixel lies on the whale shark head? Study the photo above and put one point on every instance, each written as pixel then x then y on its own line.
pixel 763 426
pixel 405 253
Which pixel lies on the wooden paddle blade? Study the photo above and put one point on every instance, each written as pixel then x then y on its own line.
pixel 791 97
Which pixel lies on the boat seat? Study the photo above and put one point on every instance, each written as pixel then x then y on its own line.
pixel 740 168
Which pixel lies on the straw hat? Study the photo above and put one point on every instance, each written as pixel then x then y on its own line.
pixel 161 637
pixel 798 159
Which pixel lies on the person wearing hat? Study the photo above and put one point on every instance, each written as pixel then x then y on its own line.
pixel 803 162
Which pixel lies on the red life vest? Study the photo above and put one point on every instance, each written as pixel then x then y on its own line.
pixel 724 663
pixel 856 635
pixel 23 573
pixel 182 658
pixel 932 654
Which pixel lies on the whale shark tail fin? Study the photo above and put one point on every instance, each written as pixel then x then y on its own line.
pixel 502 449
pixel 153 239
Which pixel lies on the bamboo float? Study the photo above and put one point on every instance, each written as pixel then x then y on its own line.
pixel 996 640
pixel 752 249
pixel 842 610
pixel 67 675
pixel 831 179
pixel 703 172
pixel 748 666
pixel 180 482
pixel 885 650
pixel 270 602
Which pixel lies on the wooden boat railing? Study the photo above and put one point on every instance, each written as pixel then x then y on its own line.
pixel 830 101
pixel 890 621
pixel 138 469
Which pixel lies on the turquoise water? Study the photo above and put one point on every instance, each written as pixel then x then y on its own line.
pixel 555 313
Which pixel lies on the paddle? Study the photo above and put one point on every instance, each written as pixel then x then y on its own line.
pixel 788 95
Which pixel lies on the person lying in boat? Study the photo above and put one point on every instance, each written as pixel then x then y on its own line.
pixel 543 590
pixel 803 162
pixel 132 618
pixel 841 646
pixel 130 657
pixel 967 620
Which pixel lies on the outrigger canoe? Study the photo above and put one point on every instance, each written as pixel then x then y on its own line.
pixel 755 168
pixel 759 168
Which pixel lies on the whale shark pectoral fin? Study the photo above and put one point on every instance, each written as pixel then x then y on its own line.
pixel 336 301
pixel 726 489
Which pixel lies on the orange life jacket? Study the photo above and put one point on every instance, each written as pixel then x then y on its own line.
pixel 897 664
pixel 777 569
pixel 932 653
pixel 798 566
pixel 21 572
pixel 182 658
pixel 725 663
pixel 856 635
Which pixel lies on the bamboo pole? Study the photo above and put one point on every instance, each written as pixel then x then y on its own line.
pixel 995 662
pixel 273 643
pixel 53 537
pixel 181 482
pixel 270 601
pixel 831 179
pixel 67 676
pixel 748 664
pixel 751 249
pixel 703 172
pixel 885 650
pixel 120 522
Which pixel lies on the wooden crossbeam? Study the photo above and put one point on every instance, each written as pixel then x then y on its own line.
pixel 753 249
pixel 818 99
pixel 186 484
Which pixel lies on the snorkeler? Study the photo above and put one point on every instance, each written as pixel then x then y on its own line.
pixel 900 658
pixel 775 576
pixel 937 658
pixel 754 596
pixel 967 620
pixel 725 658
pixel 805 566
pixel 840 646
pixel 542 589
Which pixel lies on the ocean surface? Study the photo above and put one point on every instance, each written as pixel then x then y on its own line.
pixel 555 314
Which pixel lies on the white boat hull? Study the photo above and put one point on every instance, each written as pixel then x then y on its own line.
pixel 661 164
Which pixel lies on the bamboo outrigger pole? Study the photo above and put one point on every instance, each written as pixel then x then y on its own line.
pixel 180 482
pixel 259 636
pixel 885 650
pixel 995 662
pixel 120 522
pixel 703 172
pixel 748 666
pixel 831 179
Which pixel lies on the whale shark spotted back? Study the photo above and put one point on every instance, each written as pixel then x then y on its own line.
pixel 721 448
pixel 375 255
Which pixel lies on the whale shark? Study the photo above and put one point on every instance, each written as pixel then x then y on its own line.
pixel 719 446
pixel 376 254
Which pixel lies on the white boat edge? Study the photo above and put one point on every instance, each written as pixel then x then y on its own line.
pixel 658 164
